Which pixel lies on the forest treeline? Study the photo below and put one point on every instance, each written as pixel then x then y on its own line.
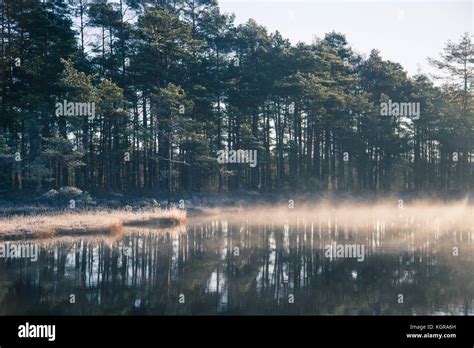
pixel 173 82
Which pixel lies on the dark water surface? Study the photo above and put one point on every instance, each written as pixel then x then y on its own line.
pixel 222 267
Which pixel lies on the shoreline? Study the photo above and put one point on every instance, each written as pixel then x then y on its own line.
pixel 53 202
pixel 51 217
pixel 85 223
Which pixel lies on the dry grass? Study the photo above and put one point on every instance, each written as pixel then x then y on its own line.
pixel 110 239
pixel 85 223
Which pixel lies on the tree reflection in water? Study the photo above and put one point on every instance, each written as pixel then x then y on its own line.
pixel 243 268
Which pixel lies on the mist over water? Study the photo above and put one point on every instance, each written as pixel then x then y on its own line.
pixel 261 260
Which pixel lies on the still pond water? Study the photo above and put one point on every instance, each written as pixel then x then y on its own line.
pixel 218 266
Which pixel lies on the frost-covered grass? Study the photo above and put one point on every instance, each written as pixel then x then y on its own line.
pixel 85 223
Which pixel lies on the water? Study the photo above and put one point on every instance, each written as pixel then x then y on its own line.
pixel 239 266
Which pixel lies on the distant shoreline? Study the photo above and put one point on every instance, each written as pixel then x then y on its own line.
pixel 23 222
pixel 46 204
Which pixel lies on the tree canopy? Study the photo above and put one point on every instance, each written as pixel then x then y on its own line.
pixel 175 81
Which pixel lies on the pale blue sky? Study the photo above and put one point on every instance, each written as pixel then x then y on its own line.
pixel 403 31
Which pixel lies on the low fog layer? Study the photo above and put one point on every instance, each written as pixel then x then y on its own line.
pixel 457 214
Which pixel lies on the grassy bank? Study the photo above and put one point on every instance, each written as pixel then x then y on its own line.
pixel 85 223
